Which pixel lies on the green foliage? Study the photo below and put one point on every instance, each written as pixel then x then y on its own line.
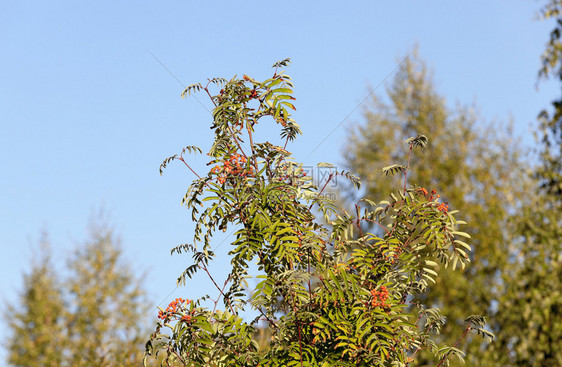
pixel 551 122
pixel 531 308
pixel 531 327
pixel 475 167
pixel 91 318
pixel 330 292
pixel 105 305
pixel 37 322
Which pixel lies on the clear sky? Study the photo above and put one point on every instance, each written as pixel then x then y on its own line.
pixel 87 114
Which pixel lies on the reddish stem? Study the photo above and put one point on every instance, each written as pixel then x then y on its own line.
pixel 407 167
pixel 323 187
pixel 209 94
pixel 456 344
pixel 377 223
pixel 191 169
pixel 220 290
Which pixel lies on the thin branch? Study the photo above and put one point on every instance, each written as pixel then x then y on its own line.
pixel 188 166
pixel 323 187
pixel 206 89
pixel 220 290
pixel 456 345
pixel 407 167
pixel 377 223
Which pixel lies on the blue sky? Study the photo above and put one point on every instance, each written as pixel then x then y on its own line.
pixel 87 114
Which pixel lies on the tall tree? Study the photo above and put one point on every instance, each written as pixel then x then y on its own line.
pixel 36 323
pixel 474 166
pixel 531 320
pixel 94 317
pixel 107 305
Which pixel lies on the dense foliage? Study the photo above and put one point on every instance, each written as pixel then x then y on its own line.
pixel 330 292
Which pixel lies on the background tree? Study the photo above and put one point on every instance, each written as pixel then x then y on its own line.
pixel 530 310
pixel 93 317
pixel 37 321
pixel 107 304
pixel 475 166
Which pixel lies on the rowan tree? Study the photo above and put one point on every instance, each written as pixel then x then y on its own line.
pixel 330 292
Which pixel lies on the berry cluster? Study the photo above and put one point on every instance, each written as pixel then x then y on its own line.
pixel 379 297
pixel 232 167
pixel 442 207
pixel 173 308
